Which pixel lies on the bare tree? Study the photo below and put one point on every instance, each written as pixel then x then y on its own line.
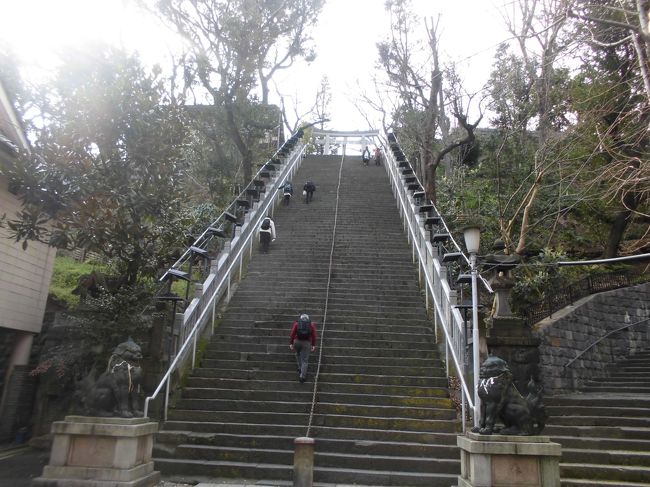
pixel 421 111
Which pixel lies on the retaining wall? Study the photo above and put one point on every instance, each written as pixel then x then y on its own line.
pixel 575 328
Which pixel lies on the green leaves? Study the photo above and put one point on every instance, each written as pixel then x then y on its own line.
pixel 106 166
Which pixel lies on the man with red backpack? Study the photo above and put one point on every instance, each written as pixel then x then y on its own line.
pixel 302 340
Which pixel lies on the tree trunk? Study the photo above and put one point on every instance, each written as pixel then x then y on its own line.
pixel 244 150
pixel 619 225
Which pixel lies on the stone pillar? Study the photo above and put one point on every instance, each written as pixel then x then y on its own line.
pixel 510 339
pixel 508 461
pixel 96 452
pixel 303 462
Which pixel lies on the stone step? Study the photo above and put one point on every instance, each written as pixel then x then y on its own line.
pixel 642 422
pixel 620 387
pixel 286 356
pixel 326 397
pixel 325 445
pixel 292 386
pixel 424 329
pixel 586 410
pixel 325 377
pixel 589 400
pixel 595 472
pixel 242 342
pixel 347 460
pixel 421 351
pixel 336 475
pixel 591 431
pixel 297 418
pixel 336 333
pixel 601 483
pixel 606 444
pixel 326 367
pixel 611 457
pixel 323 408
pixel 176 432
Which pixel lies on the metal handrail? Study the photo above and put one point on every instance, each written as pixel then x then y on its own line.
pixel 243 194
pixel 209 305
pixel 606 335
pixel 435 279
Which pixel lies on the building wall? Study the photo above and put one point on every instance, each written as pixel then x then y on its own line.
pixel 24 274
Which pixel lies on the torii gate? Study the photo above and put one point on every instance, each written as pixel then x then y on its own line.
pixel 327 138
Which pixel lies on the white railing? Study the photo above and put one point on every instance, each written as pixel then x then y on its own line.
pixel 433 274
pixel 202 309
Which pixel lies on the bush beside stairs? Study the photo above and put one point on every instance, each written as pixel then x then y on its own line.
pixel 604 429
pixel 382 415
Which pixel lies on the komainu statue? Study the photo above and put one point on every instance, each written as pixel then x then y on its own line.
pixel 115 391
pixel 501 401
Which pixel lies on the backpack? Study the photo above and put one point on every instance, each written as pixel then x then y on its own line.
pixel 266 224
pixel 304 330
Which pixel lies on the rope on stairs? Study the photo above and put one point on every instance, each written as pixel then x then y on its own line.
pixel 327 296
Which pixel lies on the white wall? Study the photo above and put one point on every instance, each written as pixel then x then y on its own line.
pixel 24 274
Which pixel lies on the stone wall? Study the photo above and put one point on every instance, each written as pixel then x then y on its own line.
pixel 575 328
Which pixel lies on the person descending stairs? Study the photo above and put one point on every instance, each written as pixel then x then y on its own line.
pixel 381 413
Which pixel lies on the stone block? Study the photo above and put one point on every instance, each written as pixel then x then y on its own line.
pixel 508 461
pixel 101 452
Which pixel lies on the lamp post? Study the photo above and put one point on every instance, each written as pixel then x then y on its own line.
pixel 472 236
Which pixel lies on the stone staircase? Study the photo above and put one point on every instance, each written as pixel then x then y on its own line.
pixel 604 429
pixel 382 415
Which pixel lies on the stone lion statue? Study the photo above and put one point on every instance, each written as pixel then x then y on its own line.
pixel 115 391
pixel 501 401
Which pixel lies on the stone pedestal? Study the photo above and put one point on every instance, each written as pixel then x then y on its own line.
pixel 508 461
pixel 100 452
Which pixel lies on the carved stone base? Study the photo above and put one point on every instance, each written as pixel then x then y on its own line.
pixel 100 452
pixel 508 461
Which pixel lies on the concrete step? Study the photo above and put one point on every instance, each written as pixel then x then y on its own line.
pixel 610 457
pixel 642 422
pixel 300 418
pixel 326 397
pixel 287 357
pixel 290 385
pixel 601 483
pixel 595 472
pixel 346 460
pixel 335 475
pixel 420 351
pixel 327 367
pixel 389 380
pixel 603 443
pixel 595 410
pixel 591 431
pixel 176 432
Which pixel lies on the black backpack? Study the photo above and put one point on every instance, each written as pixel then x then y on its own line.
pixel 266 224
pixel 304 330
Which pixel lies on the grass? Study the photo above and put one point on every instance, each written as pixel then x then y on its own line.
pixel 65 277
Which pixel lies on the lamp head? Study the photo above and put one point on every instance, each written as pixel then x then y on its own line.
pixel 472 234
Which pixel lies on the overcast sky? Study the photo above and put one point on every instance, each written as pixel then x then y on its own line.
pixel 345 39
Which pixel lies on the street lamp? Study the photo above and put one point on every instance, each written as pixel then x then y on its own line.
pixel 472 234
